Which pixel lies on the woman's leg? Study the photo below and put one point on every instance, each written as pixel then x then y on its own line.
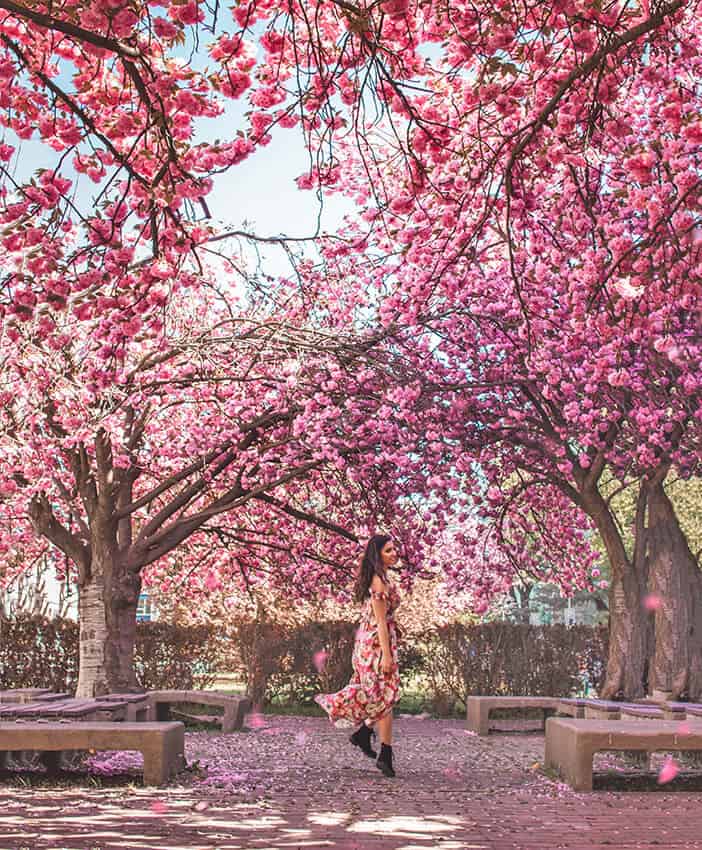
pixel 384 726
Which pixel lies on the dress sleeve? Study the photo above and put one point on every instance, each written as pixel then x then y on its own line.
pixel 379 594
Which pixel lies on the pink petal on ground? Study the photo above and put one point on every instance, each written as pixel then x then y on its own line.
pixel 668 772
pixel 684 729
pixel 201 806
pixel 320 660
pixel 159 807
pixel 301 739
pixel 255 720
pixel 652 602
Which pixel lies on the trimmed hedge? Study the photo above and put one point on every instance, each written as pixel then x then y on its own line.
pixel 277 663
pixel 511 659
pixel 36 652
pixel 447 664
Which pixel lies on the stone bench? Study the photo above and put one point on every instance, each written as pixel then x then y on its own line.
pixel 478 708
pixel 161 744
pixel 137 705
pixel 572 743
pixel 67 709
pixel 22 694
pixel 235 706
pixel 597 709
pixel 689 709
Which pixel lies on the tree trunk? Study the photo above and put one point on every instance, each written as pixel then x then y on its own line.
pixel 628 645
pixel 628 656
pixel 107 615
pixel 676 580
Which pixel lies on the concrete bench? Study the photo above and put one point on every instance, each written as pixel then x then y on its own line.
pixel 572 743
pixel 68 709
pixel 137 705
pixel 478 708
pixel 688 709
pixel 161 744
pixel 235 706
pixel 22 694
pixel 596 709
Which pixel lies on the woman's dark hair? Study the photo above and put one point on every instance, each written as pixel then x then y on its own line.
pixel 371 565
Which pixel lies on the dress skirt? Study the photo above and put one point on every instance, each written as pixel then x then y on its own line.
pixel 370 694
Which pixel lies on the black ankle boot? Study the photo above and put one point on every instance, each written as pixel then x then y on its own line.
pixel 362 738
pixel 384 762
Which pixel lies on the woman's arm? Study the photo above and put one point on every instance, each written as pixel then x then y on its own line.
pixel 379 603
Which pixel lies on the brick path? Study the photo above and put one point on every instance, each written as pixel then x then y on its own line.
pixel 297 783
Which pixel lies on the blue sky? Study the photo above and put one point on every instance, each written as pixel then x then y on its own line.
pixel 260 191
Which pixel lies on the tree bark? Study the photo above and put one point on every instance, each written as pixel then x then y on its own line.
pixel 108 590
pixel 107 604
pixel 628 646
pixel 675 578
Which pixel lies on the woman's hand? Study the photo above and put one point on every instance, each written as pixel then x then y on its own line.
pixel 387 664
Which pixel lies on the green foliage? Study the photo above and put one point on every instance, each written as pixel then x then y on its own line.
pixel 42 653
pixel 686 496
pixel 439 668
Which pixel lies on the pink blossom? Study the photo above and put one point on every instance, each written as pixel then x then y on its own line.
pixel 320 660
pixel 668 771
pixel 652 602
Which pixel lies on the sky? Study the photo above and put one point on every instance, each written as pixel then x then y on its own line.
pixel 260 191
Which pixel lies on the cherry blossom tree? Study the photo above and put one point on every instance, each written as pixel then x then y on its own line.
pixel 536 223
pixel 529 193
pixel 264 442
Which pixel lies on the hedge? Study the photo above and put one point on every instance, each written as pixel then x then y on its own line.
pixel 37 652
pixel 446 664
pixel 276 663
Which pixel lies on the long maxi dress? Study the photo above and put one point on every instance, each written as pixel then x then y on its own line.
pixel 371 693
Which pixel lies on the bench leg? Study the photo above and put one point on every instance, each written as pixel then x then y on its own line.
pixel 234 714
pixel 158 712
pixel 572 760
pixel 157 764
pixel 478 717
pixel 164 757
pixel 229 718
pixel 578 770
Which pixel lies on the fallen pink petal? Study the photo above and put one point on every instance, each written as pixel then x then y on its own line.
pixel 668 772
pixel 320 660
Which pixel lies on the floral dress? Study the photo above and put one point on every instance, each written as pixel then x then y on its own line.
pixel 371 693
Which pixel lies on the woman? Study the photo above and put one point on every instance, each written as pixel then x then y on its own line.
pixel 374 688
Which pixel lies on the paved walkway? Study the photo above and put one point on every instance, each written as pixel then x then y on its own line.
pixel 297 783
